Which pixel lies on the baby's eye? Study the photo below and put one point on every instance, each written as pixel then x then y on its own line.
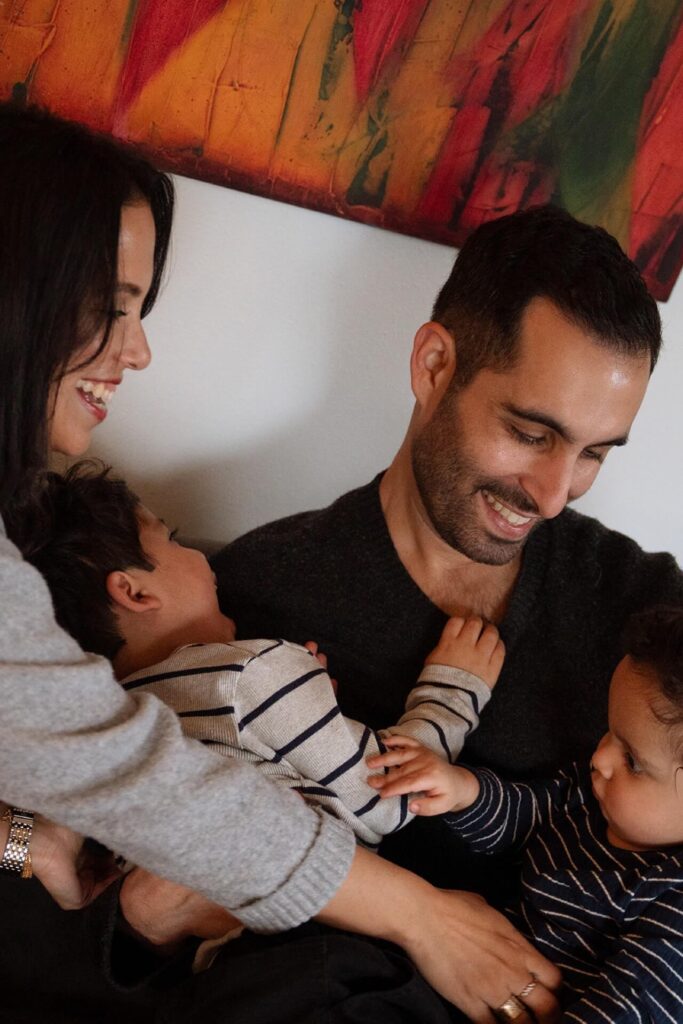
pixel 173 534
pixel 632 764
pixel 116 314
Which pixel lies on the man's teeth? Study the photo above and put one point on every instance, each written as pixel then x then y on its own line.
pixel 511 517
pixel 99 391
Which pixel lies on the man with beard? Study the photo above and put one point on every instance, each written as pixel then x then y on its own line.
pixel 532 368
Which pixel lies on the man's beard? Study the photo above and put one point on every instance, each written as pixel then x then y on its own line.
pixel 448 484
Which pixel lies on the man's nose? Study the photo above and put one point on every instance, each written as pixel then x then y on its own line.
pixel 549 483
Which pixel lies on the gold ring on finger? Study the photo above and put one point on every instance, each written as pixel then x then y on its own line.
pixel 512 1009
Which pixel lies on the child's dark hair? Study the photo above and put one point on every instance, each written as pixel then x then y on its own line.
pixel 654 639
pixel 82 526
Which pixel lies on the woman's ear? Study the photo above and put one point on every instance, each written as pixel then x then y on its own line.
pixel 128 591
pixel 432 364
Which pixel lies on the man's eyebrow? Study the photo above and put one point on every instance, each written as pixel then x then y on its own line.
pixel 129 289
pixel 536 416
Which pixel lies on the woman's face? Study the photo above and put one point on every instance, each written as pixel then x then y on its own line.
pixel 82 395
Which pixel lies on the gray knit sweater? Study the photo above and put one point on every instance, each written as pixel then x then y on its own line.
pixel 117 767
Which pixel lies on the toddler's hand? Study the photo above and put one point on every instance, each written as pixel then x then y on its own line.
pixel 470 644
pixel 439 787
pixel 312 648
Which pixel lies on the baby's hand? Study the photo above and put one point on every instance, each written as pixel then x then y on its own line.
pixel 470 644
pixel 439 787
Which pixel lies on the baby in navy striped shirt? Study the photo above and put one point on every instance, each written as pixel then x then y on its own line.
pixel 602 874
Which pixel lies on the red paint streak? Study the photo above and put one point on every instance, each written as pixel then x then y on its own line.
pixel 520 63
pixel 160 28
pixel 656 229
pixel 381 28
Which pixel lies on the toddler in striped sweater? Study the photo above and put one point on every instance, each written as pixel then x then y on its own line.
pixel 125 588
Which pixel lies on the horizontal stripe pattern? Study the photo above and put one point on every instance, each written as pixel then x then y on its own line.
pixel 611 919
pixel 270 702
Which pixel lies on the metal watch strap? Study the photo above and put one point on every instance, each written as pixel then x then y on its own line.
pixel 20 830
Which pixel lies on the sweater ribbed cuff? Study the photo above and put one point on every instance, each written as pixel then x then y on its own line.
pixel 310 887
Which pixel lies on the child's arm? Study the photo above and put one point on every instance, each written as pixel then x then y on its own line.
pixel 453 687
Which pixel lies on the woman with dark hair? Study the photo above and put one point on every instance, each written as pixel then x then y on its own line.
pixel 84 234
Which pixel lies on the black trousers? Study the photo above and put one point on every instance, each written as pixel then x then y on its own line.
pixel 59 967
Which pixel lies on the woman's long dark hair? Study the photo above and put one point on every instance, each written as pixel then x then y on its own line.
pixel 62 189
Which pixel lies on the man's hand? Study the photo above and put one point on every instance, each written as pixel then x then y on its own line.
pixel 439 787
pixel 165 913
pixel 470 644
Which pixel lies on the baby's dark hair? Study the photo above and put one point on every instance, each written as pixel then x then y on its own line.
pixel 82 526
pixel 654 639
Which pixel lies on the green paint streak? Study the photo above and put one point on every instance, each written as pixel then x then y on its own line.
pixel 360 191
pixel 128 23
pixel 292 77
pixel 595 132
pixel 342 33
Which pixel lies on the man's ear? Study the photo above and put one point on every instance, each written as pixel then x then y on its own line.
pixel 129 591
pixel 432 364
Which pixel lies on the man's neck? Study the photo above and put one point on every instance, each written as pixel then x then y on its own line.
pixel 451 580
pixel 149 646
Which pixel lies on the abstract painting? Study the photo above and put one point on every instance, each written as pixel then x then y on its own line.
pixel 421 116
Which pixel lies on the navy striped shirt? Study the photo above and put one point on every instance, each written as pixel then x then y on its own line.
pixel 611 919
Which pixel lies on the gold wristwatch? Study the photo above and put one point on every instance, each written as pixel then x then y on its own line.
pixel 16 857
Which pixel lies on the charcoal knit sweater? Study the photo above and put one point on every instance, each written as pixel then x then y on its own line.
pixel 333 575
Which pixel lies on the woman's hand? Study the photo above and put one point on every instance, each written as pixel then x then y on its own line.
pixel 73 873
pixel 467 951
pixel 474 957
pixel 165 913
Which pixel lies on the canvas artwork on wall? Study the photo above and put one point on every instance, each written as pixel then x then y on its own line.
pixel 421 116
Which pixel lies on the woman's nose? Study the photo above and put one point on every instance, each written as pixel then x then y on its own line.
pixel 136 354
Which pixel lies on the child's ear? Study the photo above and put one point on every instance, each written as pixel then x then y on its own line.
pixel 128 591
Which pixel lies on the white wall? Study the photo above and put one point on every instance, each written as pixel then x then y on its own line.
pixel 280 374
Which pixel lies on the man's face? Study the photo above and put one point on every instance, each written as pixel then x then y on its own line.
pixel 514 446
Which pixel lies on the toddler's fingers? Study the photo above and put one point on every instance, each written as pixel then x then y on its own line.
pixel 488 639
pixel 472 628
pixel 426 806
pixel 406 781
pixel 392 759
pixel 453 627
pixel 396 740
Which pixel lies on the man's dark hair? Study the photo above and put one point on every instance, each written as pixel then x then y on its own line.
pixel 654 640
pixel 62 190
pixel 543 252
pixel 80 527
